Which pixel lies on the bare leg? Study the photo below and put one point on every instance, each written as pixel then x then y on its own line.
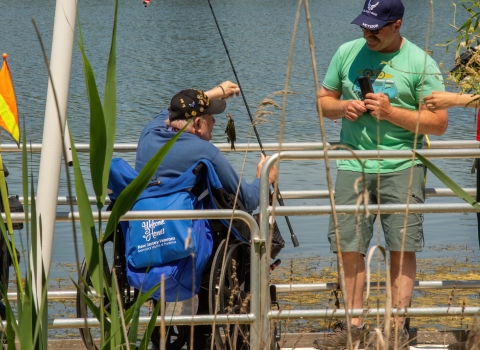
pixel 404 283
pixel 354 266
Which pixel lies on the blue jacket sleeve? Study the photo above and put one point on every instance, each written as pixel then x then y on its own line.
pixel 249 193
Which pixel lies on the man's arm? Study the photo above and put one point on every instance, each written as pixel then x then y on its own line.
pixel 444 100
pixel 335 108
pixel 430 122
pixel 225 90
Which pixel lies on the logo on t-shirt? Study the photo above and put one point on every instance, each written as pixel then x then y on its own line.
pixel 381 82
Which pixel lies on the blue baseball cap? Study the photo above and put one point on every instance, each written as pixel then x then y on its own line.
pixel 377 13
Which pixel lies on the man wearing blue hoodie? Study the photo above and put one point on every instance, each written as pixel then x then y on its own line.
pixel 194 144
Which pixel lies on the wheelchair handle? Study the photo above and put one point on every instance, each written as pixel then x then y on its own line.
pixel 198 168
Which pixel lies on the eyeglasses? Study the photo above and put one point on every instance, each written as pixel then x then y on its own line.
pixel 376 31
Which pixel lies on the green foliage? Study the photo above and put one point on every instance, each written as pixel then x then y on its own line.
pixel 102 137
pixel 31 328
pixel 450 184
pixel 150 328
pixel 468 35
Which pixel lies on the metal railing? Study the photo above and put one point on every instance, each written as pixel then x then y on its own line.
pixel 260 313
pixel 242 147
pixel 266 315
pixel 175 215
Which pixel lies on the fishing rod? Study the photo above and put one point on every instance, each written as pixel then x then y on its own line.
pixel 279 195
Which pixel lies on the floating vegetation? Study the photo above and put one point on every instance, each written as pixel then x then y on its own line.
pixel 323 270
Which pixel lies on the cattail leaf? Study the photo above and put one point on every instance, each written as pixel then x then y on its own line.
pixel 87 225
pixel 12 326
pixel 449 182
pixel 135 314
pixel 98 143
pixel 150 328
pixel 110 106
pixel 116 327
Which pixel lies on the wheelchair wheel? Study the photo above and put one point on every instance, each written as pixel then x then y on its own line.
pixel 175 339
pixel 229 294
pixel 4 264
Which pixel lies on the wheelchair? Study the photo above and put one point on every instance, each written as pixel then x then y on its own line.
pixel 222 290
pixel 227 291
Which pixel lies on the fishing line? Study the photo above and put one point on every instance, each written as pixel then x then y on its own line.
pixel 279 196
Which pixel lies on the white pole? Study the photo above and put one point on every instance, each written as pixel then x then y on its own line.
pixel 51 156
pixel 68 146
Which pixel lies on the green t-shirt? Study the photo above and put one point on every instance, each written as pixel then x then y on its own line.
pixel 398 75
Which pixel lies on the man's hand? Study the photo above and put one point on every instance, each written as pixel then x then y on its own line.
pixel 354 109
pixel 224 91
pixel 378 105
pixel 429 122
pixel 334 108
pixel 272 176
pixel 229 89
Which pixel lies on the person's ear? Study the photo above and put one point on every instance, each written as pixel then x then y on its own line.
pixel 197 122
pixel 397 25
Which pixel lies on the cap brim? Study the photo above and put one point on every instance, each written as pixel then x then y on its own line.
pixel 216 107
pixel 368 22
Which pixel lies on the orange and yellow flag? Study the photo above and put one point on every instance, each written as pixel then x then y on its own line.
pixel 8 103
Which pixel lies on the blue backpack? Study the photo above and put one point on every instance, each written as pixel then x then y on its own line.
pixel 158 247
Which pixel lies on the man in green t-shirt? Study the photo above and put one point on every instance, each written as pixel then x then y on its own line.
pixel 401 74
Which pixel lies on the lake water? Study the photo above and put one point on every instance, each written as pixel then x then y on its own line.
pixel 173 44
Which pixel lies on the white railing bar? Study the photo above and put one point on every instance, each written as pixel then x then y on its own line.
pixel 336 155
pixel 286 288
pixel 57 294
pixel 242 147
pixel 279 315
pixel 155 214
pixel 279 211
pixel 429 192
pixel 327 313
pixel 382 208
pixel 322 287
pixel 143 320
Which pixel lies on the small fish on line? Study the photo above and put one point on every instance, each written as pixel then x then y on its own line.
pixel 230 131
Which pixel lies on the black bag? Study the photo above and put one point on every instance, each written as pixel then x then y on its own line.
pixel 15 207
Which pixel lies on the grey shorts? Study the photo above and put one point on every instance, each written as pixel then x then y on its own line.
pixel 355 235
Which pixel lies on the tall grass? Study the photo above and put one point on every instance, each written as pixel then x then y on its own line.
pixel 30 327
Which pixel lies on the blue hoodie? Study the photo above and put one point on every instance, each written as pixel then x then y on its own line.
pixel 186 151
